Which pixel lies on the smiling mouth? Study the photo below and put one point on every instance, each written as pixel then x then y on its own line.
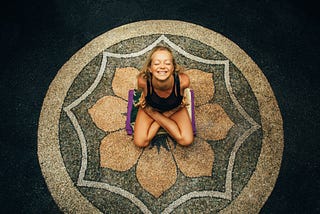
pixel 162 72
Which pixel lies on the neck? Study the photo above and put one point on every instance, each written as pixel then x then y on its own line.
pixel 163 85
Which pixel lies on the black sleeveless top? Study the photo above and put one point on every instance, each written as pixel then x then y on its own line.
pixel 168 103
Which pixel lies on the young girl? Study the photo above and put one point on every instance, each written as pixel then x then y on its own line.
pixel 162 87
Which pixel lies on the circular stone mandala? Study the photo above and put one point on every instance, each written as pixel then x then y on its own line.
pixel 87 155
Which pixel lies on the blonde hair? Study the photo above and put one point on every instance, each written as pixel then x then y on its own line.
pixel 145 73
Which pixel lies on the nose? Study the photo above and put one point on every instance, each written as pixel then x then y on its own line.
pixel 162 65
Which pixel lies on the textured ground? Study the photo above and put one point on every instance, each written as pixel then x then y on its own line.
pixel 280 37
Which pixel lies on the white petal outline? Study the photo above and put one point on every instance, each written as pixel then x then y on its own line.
pixel 196 194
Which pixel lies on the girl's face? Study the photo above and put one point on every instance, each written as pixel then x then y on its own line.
pixel 161 65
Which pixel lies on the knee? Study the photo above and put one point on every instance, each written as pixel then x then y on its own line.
pixel 141 143
pixel 186 141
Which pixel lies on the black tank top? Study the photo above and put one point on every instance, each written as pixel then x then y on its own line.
pixel 168 103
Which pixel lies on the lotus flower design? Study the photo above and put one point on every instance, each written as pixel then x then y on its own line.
pixel 157 170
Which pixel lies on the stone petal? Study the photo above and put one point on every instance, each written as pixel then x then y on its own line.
pixel 156 172
pixel 118 152
pixel 109 113
pixel 195 160
pixel 212 122
pixel 202 85
pixel 124 79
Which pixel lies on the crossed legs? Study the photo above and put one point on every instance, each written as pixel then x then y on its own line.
pixel 177 123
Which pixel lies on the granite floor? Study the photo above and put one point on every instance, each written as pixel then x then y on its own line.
pixel 281 40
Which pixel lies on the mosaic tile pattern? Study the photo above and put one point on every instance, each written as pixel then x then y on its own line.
pixel 234 140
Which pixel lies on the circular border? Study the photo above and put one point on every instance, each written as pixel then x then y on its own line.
pixel 262 181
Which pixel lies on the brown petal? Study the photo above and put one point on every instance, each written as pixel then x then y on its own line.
pixel 156 172
pixel 109 113
pixel 124 80
pixel 212 122
pixel 202 85
pixel 195 160
pixel 118 152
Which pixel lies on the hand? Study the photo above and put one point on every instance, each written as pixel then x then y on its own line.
pixel 152 112
pixel 142 102
pixel 149 110
pixel 171 112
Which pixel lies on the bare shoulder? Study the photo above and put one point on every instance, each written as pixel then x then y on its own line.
pixel 184 80
pixel 141 82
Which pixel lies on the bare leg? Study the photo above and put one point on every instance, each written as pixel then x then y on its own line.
pixel 178 125
pixel 145 129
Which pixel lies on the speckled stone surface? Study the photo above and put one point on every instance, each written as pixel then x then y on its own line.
pixel 243 142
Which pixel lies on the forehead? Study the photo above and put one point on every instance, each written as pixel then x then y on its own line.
pixel 161 55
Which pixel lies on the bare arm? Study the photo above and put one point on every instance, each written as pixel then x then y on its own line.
pixel 163 120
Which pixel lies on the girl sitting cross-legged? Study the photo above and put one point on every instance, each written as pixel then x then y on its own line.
pixel 161 104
